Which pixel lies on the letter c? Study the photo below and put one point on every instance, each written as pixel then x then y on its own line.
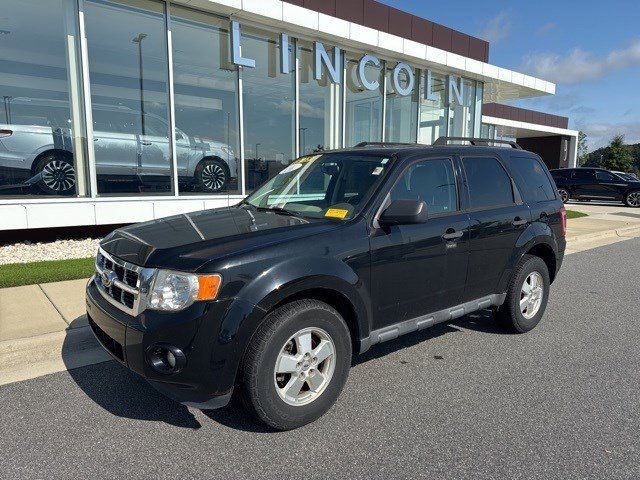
pixel 374 85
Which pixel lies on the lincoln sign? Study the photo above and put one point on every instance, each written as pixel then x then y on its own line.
pixel 455 90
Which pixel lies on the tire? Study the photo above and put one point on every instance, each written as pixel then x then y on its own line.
pixel 58 174
pixel 632 199
pixel 564 195
pixel 212 175
pixel 264 390
pixel 510 314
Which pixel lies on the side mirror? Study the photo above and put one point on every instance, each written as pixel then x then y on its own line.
pixel 404 212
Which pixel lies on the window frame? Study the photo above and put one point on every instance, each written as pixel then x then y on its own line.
pixel 517 197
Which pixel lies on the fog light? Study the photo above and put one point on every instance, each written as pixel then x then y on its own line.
pixel 166 358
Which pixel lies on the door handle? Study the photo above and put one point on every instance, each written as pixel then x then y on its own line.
pixel 145 143
pixel 519 221
pixel 452 234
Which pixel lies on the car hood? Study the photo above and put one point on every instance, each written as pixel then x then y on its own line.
pixel 188 241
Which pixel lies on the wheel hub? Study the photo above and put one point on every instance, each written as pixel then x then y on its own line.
pixel 531 295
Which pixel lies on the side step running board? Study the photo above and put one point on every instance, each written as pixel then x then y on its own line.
pixel 394 331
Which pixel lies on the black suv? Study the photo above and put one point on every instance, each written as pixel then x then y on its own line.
pixel 596 184
pixel 338 252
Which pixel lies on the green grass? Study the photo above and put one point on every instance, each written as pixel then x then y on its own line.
pixel 16 274
pixel 575 214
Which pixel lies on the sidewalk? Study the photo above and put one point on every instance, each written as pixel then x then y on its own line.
pixel 44 329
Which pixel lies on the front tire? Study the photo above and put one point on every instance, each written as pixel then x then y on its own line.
pixel 58 174
pixel 632 199
pixel 527 296
pixel 212 175
pixel 296 364
pixel 564 195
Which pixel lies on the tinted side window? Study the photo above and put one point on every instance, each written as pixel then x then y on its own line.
pixel 579 174
pixel 432 181
pixel 531 176
pixel 489 185
pixel 606 176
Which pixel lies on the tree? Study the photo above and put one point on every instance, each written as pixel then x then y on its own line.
pixel 583 148
pixel 618 157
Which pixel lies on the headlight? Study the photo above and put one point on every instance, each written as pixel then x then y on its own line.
pixel 173 291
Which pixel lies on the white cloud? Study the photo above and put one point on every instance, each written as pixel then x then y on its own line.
pixel 600 134
pixel 580 66
pixel 497 28
pixel 545 29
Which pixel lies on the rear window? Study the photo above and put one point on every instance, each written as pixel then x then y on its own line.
pixel 531 176
pixel 489 184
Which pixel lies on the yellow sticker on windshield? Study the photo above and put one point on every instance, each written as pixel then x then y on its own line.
pixel 336 213
pixel 308 159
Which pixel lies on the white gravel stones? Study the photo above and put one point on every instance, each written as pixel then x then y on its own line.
pixel 59 250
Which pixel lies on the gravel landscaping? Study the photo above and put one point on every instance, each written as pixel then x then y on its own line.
pixel 59 250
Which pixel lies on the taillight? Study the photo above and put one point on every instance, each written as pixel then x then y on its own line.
pixel 563 221
pixel 6 133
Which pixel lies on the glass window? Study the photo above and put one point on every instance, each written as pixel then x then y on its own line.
pixel 580 174
pixel 41 118
pixel 332 185
pixel 128 69
pixel 433 120
pixel 320 106
pixel 532 176
pixel 206 103
pixel 461 117
pixel 488 183
pixel 605 176
pixel 401 114
pixel 363 108
pixel 269 108
pixel 432 181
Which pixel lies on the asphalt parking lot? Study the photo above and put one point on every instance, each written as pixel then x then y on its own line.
pixel 462 400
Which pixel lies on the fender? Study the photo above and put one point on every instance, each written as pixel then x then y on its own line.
pixel 535 234
pixel 279 282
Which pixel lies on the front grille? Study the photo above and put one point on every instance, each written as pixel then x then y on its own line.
pixel 124 282
pixel 107 342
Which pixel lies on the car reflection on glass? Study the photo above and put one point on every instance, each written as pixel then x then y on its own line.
pixel 36 148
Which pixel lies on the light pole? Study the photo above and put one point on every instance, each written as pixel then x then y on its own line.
pixel 303 131
pixel 257 145
pixel 138 39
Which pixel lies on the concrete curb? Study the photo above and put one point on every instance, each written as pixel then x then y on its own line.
pixel 32 357
pixel 630 231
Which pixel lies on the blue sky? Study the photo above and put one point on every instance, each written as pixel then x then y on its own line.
pixel 591 50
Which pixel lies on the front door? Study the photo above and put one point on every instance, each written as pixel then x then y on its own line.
pixel 497 222
pixel 420 269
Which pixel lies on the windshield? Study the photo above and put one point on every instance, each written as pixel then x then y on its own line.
pixel 331 185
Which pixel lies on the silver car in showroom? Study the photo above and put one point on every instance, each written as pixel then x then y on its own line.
pixel 36 148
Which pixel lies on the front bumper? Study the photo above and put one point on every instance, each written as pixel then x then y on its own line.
pixel 204 381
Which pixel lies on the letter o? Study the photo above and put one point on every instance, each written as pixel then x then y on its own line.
pixel 396 79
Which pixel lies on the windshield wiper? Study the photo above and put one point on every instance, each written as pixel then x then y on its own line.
pixel 278 210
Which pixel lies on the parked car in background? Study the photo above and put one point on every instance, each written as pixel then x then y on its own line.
pixel 339 251
pixel 596 184
pixel 38 142
pixel 626 175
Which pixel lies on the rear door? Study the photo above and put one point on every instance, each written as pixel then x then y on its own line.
pixel 498 217
pixel 584 183
pixel 420 269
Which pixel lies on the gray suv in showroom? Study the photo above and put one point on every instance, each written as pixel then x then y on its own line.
pixel 36 148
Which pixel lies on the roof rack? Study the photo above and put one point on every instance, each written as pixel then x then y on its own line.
pixel 476 142
pixel 384 144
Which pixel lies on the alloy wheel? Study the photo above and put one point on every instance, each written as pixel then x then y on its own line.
pixel 564 195
pixel 531 295
pixel 213 176
pixel 59 175
pixel 633 199
pixel 305 366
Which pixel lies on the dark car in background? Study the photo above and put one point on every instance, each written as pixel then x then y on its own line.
pixel 338 252
pixel 596 184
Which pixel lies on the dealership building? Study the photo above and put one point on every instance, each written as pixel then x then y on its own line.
pixel 118 111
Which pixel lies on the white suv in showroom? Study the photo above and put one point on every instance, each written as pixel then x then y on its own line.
pixel 36 148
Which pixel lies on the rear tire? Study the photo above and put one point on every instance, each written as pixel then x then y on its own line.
pixel 564 195
pixel 58 174
pixel 281 383
pixel 527 296
pixel 632 199
pixel 212 175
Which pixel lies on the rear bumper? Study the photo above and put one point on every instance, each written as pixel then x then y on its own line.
pixel 202 382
